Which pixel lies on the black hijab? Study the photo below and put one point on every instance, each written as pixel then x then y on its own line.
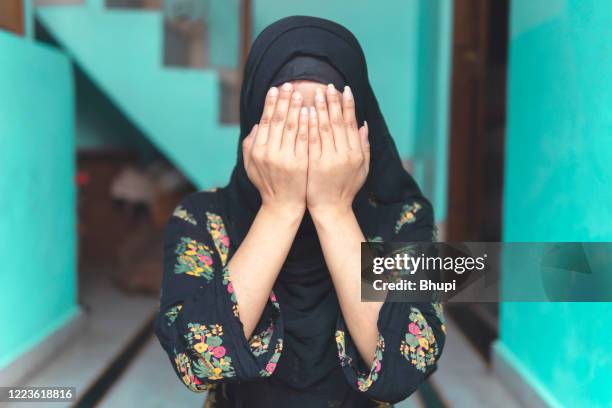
pixel 283 42
pixel 311 48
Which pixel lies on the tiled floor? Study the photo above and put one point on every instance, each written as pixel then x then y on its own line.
pixel 112 320
pixel 463 378
pixel 150 382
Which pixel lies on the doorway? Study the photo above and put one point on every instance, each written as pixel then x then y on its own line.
pixel 476 148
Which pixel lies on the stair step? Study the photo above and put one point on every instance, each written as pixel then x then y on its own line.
pixel 151 382
pixel 112 320
pixel 464 379
pixel 177 109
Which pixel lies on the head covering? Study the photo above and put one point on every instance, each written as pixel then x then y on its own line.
pixel 311 69
pixel 316 49
pixel 291 39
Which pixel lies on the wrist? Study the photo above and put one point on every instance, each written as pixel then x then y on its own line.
pixel 330 212
pixel 285 213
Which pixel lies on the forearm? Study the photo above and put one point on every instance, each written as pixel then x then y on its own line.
pixel 255 266
pixel 341 237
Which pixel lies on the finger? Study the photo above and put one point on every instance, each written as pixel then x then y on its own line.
pixel 277 126
pixel 350 120
pixel 247 143
pixel 301 144
pixel 325 131
pixel 335 117
pixel 266 117
pixel 365 143
pixel 291 124
pixel 314 139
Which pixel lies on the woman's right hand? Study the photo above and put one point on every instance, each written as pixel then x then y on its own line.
pixel 275 152
pixel 275 156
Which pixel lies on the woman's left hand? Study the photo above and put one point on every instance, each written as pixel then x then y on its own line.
pixel 338 164
pixel 338 152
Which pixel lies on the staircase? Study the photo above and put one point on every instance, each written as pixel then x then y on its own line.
pixel 177 109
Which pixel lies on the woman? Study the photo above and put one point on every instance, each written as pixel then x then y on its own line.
pixel 261 296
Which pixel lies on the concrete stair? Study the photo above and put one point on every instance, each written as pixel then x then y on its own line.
pixel 114 325
pixel 177 109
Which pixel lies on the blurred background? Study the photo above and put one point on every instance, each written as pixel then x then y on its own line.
pixel 112 110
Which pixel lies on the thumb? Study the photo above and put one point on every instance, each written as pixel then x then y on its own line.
pixel 247 143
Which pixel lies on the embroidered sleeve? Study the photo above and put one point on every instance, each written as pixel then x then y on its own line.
pixel 411 335
pixel 198 323
pixel 410 341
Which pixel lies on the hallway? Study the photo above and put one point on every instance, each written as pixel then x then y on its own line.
pixel 112 111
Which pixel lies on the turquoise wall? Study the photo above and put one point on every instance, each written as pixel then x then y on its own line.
pixel 37 222
pixel 557 187
pixel 223 24
pixel 28 16
pixel 100 125
pixel 430 154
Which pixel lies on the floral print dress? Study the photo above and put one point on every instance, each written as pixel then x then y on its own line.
pixel 199 327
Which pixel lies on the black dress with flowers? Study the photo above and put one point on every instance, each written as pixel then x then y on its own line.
pixel 198 326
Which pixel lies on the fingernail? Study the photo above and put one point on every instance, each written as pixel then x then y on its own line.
pixel 347 92
pixel 304 111
pixel 296 96
pixel 319 95
pixel 287 86
pixel 313 112
pixel 273 91
pixel 331 88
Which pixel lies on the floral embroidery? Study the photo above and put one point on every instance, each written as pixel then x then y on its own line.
pixel 419 346
pixel 274 301
pixel 227 281
pixel 364 382
pixel 183 365
pixel 408 215
pixel 172 313
pixel 184 215
pixel 193 259
pixel 345 360
pixel 271 366
pixel 213 363
pixel 382 404
pixel 216 229
pixel 437 307
pixel 260 342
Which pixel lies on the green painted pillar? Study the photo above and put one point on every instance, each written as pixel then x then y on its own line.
pixel 558 182
pixel 37 195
